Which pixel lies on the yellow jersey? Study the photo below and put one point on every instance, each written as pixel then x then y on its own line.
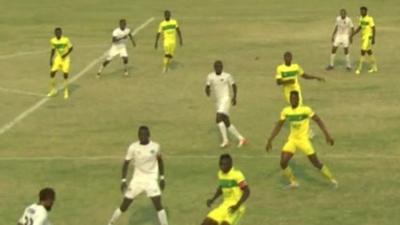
pixel 291 72
pixel 231 184
pixel 61 46
pixel 168 29
pixel 299 120
pixel 366 24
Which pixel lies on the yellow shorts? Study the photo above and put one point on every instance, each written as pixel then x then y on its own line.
pixel 287 96
pixel 221 214
pixel 169 48
pixel 60 64
pixel 303 144
pixel 366 43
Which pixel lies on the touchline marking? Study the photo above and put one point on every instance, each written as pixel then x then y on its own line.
pixel 16 91
pixel 194 156
pixel 41 102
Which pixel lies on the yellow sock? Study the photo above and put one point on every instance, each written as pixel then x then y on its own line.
pixel 362 59
pixel 372 61
pixel 52 83
pixel 165 62
pixel 65 85
pixel 326 172
pixel 289 174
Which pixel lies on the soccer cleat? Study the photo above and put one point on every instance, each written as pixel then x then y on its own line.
pixel 348 68
pixel 224 144
pixel 334 183
pixel 242 142
pixel 358 72
pixel 66 94
pixel 52 92
pixel 292 185
pixel 373 70
pixel 329 67
pixel 126 74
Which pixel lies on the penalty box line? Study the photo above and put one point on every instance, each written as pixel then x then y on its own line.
pixel 43 101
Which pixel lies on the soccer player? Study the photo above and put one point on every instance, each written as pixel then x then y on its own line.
pixel 367 27
pixel 37 213
pixel 169 28
pixel 298 117
pixel 342 36
pixel 61 47
pixel 148 175
pixel 235 191
pixel 221 82
pixel 118 46
pixel 286 76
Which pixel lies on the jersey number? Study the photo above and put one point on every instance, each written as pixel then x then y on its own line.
pixel 28 221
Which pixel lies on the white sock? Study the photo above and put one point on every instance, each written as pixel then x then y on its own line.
pixel 162 217
pixel 235 132
pixel 126 67
pixel 222 129
pixel 117 213
pixel 101 68
pixel 332 59
pixel 348 63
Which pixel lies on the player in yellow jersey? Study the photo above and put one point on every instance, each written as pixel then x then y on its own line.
pixel 235 191
pixel 367 28
pixel 299 118
pixel 287 76
pixel 169 28
pixel 61 48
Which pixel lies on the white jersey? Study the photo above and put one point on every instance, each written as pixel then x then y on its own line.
pixel 145 160
pixel 344 26
pixel 220 84
pixel 118 33
pixel 34 214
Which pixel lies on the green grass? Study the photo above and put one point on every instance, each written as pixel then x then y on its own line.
pixel 101 116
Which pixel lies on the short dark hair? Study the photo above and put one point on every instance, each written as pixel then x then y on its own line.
pixel 225 156
pixel 143 128
pixel 363 8
pixel 46 194
pixel 57 28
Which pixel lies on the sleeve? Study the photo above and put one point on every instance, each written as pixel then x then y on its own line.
pixel 40 219
pixel 283 115
pixel 52 44
pixel 310 112
pixel 158 149
pixel 208 81
pixel 359 22
pixel 278 74
pixel 69 44
pixel 115 33
pixel 176 24
pixel 240 180
pixel 22 220
pixel 336 21
pixel 372 23
pixel 160 28
pixel 301 71
pixel 129 153
pixel 231 80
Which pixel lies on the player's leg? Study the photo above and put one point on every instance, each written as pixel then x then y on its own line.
pixel 287 153
pixel 322 168
pixel 216 215
pixel 65 69
pixel 208 221
pixel 126 202
pixel 167 55
pixel 53 89
pixel 110 55
pixel 233 218
pixel 161 214
pixel 347 57
pixel 372 62
pixel 232 129
pixel 221 123
pixel 332 58
pixel 125 62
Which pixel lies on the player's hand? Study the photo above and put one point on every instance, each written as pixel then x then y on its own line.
pixel 123 186
pixel 330 141
pixel 162 184
pixel 268 147
pixel 233 208
pixel 233 101
pixel 209 202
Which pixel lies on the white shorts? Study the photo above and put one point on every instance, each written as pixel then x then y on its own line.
pixel 341 41
pixel 136 187
pixel 223 106
pixel 117 50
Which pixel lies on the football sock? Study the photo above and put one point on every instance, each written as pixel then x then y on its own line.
pixel 126 67
pixel 52 83
pixel 165 62
pixel 65 85
pixel 372 61
pixel 287 172
pixel 222 129
pixel 325 171
pixel 101 68
pixel 332 59
pixel 162 217
pixel 232 129
pixel 117 213
pixel 348 63
pixel 362 59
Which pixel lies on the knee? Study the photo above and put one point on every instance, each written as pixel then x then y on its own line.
pixel 284 164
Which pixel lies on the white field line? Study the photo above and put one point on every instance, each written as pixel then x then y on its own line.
pixel 194 156
pixel 16 91
pixel 41 102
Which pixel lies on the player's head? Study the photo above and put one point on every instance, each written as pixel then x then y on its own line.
pixel 225 163
pixel 218 66
pixel 343 13
pixel 122 24
pixel 58 32
pixel 363 11
pixel 144 134
pixel 167 14
pixel 294 99
pixel 47 196
pixel 287 57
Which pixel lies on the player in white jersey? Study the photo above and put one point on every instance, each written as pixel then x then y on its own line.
pixel 148 175
pixel 36 214
pixel 118 47
pixel 221 83
pixel 342 36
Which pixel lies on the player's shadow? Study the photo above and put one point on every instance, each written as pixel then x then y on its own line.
pixel 175 65
pixel 117 73
pixel 144 214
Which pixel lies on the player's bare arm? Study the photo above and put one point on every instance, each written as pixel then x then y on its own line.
pixel 67 53
pixel 179 35
pixel 351 35
pixel 274 133
pixel 234 90
pixel 218 193
pixel 161 171
pixel 132 40
pixel 208 90
pixel 246 193
pixel 284 82
pixel 52 52
pixel 334 33
pixel 321 125
pixel 311 77
pixel 373 35
pixel 157 38
pixel 125 167
pixel 356 31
